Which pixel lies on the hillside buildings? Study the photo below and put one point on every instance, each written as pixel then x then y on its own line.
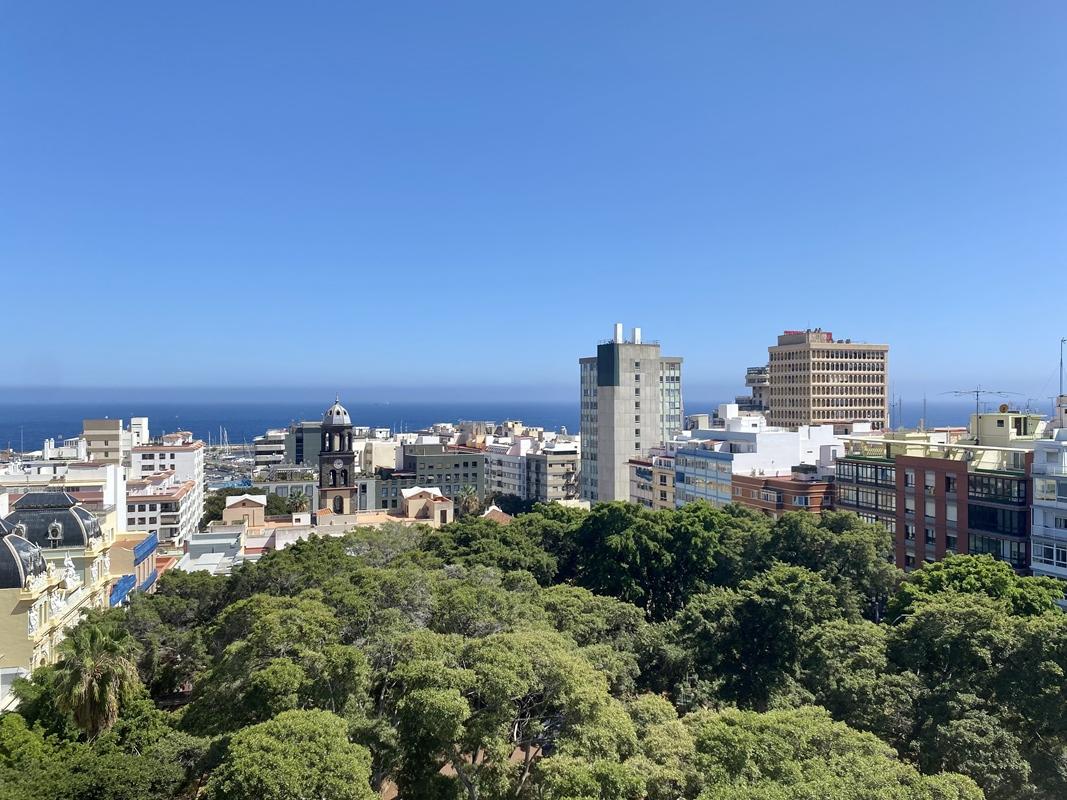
pixel 814 379
pixel 631 402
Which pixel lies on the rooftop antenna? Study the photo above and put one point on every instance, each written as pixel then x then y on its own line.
pixel 978 393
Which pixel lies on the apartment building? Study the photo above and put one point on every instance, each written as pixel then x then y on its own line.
pixel 652 480
pixel 758 381
pixel 179 455
pixel 107 441
pixel 165 505
pixel 707 460
pixel 631 402
pixel 552 471
pixel 1048 534
pixel 806 489
pixel 939 493
pixel 268 449
pixel 814 379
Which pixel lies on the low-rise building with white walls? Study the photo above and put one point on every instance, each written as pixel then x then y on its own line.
pixel 744 444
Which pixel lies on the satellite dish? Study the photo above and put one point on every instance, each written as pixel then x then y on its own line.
pixel 1003 407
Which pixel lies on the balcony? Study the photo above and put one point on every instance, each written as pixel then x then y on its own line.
pixel 1055 470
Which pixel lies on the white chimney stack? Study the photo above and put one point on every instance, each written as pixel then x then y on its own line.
pixel 618 332
pixel 637 336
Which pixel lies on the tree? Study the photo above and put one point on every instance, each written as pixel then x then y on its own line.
pixel 476 706
pixel 298 755
pixel 510 503
pixel 848 552
pixel 467 501
pixel 297 503
pixel 976 575
pixel 271 655
pixel 474 541
pixel 96 673
pixel 845 667
pixel 803 753
pixel 745 643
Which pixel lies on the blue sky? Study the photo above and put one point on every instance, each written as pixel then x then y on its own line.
pixel 419 195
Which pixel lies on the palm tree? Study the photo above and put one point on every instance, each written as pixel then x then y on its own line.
pixel 298 502
pixel 467 501
pixel 97 670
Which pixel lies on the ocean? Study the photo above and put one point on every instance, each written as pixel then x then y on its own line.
pixel 32 423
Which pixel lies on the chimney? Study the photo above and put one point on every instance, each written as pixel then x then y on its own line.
pixel 637 336
pixel 618 332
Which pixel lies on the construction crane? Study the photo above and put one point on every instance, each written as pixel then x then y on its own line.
pixel 978 393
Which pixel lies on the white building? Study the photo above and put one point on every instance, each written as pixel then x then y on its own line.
pixel 177 454
pixel 269 449
pixel 1048 532
pixel 100 486
pixel 73 449
pixel 631 401
pixel 744 444
pixel 163 504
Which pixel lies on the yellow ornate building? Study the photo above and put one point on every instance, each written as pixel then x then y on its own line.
pixel 55 562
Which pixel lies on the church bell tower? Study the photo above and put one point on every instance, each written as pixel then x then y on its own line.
pixel 337 461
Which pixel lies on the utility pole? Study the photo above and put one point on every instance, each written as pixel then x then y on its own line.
pixel 1061 365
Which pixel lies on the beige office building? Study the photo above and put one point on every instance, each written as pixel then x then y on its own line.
pixel 814 379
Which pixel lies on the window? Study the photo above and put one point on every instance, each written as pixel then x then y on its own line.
pixel 909 477
pixel 931 510
pixel 930 536
pixel 950 542
pixel 951 512
pixel 950 483
pixel 909 531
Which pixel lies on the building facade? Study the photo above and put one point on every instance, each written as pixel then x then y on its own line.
pixel 268 449
pixel 804 490
pixel 552 471
pixel 302 443
pixel 814 379
pixel 940 496
pixel 631 401
pixel 55 562
pixel 1048 534
pixel 166 506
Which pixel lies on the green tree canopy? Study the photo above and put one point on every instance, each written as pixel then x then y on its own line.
pixel 297 755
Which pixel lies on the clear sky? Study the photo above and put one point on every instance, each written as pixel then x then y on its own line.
pixel 470 194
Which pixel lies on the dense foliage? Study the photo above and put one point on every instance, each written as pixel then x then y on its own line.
pixel 616 654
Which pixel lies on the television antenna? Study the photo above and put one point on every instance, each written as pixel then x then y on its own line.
pixel 978 393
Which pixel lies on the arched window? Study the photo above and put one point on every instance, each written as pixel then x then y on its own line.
pixel 344 477
pixel 338 505
pixel 333 477
pixel 325 442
